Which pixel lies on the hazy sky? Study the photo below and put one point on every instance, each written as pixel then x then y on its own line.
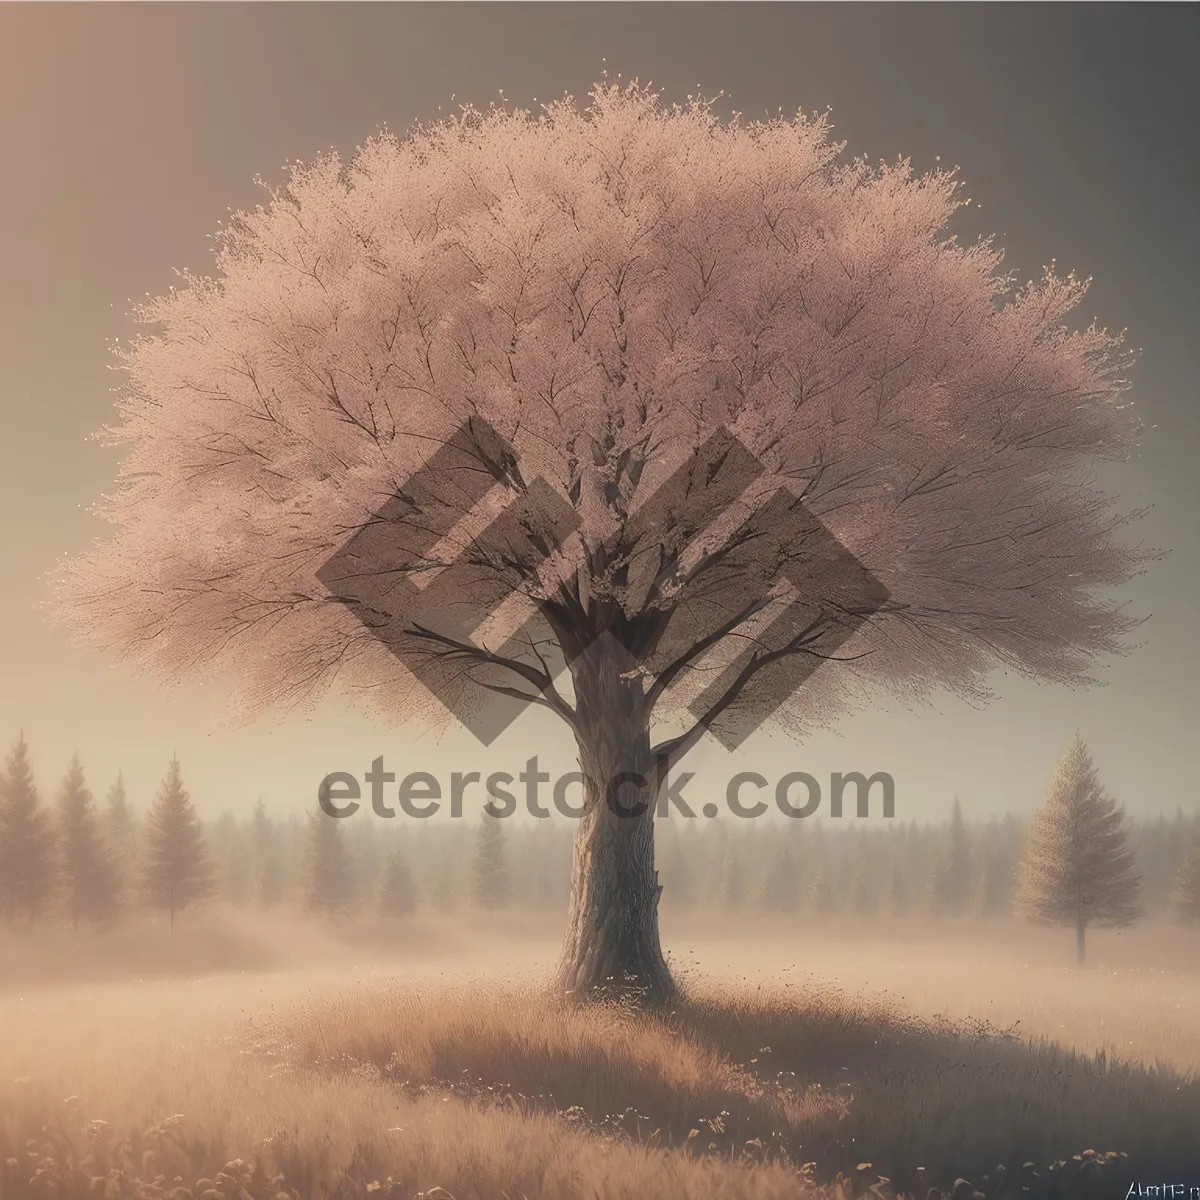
pixel 127 131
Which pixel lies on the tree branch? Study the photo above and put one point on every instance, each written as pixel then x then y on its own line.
pixel 516 694
pixel 454 649
pixel 667 754
pixel 668 673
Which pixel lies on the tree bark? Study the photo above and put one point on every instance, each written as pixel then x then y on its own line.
pixel 612 944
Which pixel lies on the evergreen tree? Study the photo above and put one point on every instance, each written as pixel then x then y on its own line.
pixel 918 863
pixel 864 887
pixel 270 880
pixel 121 832
pixel 1185 897
pixel 491 882
pixel 1179 831
pixel 88 867
pixel 262 836
pixel 732 887
pixel 1156 862
pixel 822 895
pixel 552 883
pixel 176 869
pixel 446 887
pixel 27 850
pixel 292 858
pixel 685 882
pixel 398 895
pixel 1178 844
pixel 951 882
pixel 328 881
pixel 230 855
pixel 864 897
pixel 367 852
pixel 780 890
pixel 261 831
pixel 266 865
pixel 674 867
pixel 1079 867
pixel 899 896
pixel 993 896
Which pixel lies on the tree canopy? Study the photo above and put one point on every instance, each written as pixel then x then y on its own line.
pixel 602 289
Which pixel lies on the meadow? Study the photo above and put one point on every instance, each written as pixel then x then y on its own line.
pixel 257 1055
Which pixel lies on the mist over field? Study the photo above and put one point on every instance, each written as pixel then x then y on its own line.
pixel 346 984
pixel 270 1038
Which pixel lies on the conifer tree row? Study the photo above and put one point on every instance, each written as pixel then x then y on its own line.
pixel 85 865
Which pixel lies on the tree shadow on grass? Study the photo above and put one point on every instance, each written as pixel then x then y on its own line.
pixel 932 1100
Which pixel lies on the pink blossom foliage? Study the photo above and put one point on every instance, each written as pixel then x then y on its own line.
pixel 606 286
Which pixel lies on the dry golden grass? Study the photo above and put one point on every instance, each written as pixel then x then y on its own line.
pixel 200 1050
pixel 442 1072
pixel 807 1075
pixel 615 1071
pixel 339 1137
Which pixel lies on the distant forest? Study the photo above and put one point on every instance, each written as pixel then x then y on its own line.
pixel 89 860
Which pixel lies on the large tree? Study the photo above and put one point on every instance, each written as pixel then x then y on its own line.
pixel 1078 867
pixel 701 399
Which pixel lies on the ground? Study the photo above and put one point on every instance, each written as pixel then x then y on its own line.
pixel 428 1052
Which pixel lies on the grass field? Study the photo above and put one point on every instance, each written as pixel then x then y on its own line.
pixel 428 1061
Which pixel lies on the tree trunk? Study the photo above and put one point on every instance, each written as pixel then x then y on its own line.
pixel 612 944
pixel 1080 931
